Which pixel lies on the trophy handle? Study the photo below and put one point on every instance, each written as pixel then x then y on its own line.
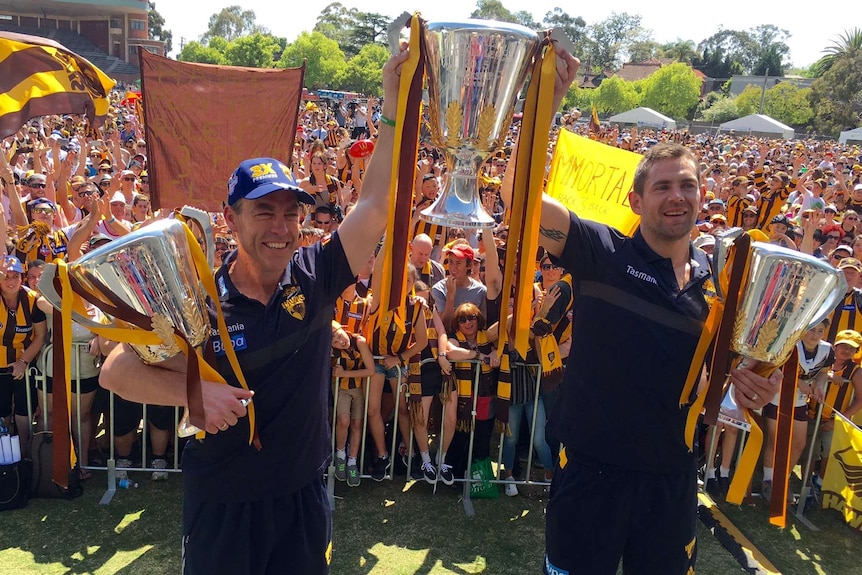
pixel 203 220
pixel 393 32
pixel 835 296
pixel 719 257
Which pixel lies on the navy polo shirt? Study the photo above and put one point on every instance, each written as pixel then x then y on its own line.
pixel 284 350
pixel 633 337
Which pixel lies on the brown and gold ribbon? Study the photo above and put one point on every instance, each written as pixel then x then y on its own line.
pixel 783 441
pixel 525 209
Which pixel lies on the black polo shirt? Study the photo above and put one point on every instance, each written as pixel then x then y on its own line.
pixel 633 337
pixel 284 350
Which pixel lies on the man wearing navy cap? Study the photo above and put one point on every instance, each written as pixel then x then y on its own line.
pixel 250 510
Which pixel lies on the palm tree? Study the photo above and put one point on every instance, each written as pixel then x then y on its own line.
pixel 850 42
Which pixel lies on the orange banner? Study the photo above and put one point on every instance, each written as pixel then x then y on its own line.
pixel 203 120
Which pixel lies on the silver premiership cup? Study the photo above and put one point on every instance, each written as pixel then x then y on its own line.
pixel 152 271
pixel 475 69
pixel 785 294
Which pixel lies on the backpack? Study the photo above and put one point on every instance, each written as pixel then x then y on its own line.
pixel 42 452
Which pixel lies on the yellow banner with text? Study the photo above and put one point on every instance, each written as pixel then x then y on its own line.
pixel 594 180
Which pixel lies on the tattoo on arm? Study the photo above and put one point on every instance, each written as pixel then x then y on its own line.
pixel 552 234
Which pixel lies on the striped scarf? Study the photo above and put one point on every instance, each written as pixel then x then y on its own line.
pixel 464 374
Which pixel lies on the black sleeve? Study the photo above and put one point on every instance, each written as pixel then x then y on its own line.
pixel 587 245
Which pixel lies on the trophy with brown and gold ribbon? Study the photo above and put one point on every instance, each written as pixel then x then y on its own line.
pixel 769 297
pixel 152 285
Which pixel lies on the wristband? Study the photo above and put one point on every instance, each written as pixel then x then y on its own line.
pixel 23 361
pixel 111 221
pixel 387 121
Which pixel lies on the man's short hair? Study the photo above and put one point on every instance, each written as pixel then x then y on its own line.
pixel 324 210
pixel 659 153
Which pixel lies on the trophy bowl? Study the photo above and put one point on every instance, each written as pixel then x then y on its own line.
pixel 475 69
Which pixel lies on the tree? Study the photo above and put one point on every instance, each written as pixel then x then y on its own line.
pixel 672 90
pixel 368 28
pixel 255 51
pixel 611 39
pixel 492 10
pixel 680 50
pixel 836 96
pixel 748 102
pixel 231 23
pixel 614 95
pixel 580 98
pixel 725 51
pixel 363 72
pixel 770 49
pixel 335 22
pixel 156 28
pixel 847 43
pixel 788 103
pixel 574 27
pixel 719 109
pixel 194 51
pixel 643 50
pixel 325 60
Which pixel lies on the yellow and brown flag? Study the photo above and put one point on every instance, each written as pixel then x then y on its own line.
pixel 39 77
pixel 842 484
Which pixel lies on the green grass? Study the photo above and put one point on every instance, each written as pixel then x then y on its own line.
pixel 379 529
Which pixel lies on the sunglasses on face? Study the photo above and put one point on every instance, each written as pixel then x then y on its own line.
pixel 84 194
pixel 128 179
pixel 105 170
pixel 465 318
pixel 47 211
pixel 851 218
pixel 323 222
pixel 546 267
pixel 105 185
pixel 39 186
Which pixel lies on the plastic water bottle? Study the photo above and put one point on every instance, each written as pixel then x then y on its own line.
pixel 127 484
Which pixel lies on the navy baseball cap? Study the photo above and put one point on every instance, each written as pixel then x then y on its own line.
pixel 258 177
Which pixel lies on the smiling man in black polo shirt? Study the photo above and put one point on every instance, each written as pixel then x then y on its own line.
pixel 264 511
pixel 625 486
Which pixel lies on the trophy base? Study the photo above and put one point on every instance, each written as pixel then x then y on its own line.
pixel 475 221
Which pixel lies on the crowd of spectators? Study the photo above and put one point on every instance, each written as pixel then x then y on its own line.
pixel 68 188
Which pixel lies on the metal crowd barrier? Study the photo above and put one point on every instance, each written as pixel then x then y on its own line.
pixel 37 375
pixel 466 481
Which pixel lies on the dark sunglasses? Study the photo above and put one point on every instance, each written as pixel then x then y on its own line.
pixel 322 222
pixel 38 186
pixel 105 185
pixel 128 179
pixel 84 194
pixel 466 318
pixel 546 267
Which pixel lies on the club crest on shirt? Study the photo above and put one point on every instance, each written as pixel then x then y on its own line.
pixel 709 293
pixel 293 302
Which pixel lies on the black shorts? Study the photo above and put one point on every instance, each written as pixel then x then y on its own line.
pixel 88 385
pixel 770 411
pixel 14 392
pixel 127 416
pixel 598 515
pixel 280 536
pixel 432 379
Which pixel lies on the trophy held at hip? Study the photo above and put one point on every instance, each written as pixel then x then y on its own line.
pixel 152 285
pixel 768 297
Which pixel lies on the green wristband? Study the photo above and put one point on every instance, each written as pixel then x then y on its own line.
pixel 387 121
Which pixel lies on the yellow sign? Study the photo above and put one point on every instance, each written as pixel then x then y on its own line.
pixel 594 180
pixel 842 485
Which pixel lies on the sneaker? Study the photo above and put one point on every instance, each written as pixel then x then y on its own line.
pixel 352 475
pixel 160 463
pixel 416 469
pixel 511 488
pixel 817 488
pixel 723 485
pixel 381 468
pixel 340 468
pixel 121 463
pixel 766 490
pixel 446 475
pixel 429 472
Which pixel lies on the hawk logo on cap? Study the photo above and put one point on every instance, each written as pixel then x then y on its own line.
pixel 293 302
pixel 286 171
pixel 259 171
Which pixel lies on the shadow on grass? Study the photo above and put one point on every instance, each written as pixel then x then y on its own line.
pixel 139 532
pixel 381 528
